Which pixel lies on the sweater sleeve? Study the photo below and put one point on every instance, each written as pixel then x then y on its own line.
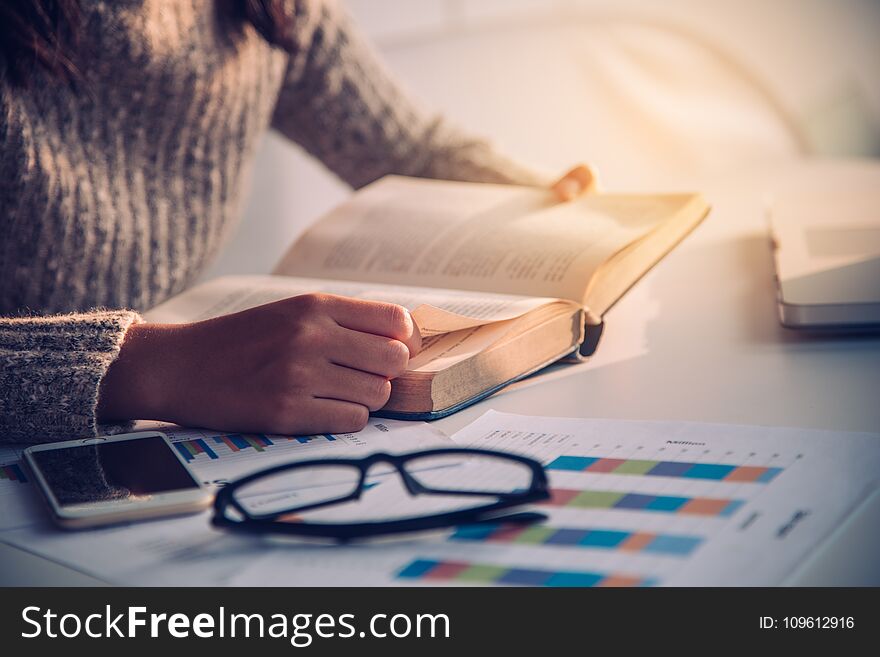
pixel 340 103
pixel 50 370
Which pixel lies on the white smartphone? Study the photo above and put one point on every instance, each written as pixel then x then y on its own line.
pixel 100 481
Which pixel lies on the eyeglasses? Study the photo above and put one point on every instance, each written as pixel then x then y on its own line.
pixel 274 501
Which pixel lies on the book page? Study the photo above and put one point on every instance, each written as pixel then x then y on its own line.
pixel 435 311
pixel 441 351
pixel 493 238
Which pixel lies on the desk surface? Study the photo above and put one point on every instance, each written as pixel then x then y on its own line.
pixel 697 339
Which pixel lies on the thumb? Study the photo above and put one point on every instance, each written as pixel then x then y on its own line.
pixel 580 180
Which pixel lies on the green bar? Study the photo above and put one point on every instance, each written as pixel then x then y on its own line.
pixel 595 499
pixel 253 443
pixel 189 447
pixel 635 467
pixel 533 535
pixel 481 573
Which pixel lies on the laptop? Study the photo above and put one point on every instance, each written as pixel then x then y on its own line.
pixel 825 230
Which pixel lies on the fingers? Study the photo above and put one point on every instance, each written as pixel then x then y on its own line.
pixel 376 317
pixel 580 180
pixel 314 363
pixel 345 384
pixel 371 353
pixel 327 416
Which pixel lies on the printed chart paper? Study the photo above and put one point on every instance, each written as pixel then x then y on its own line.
pixel 633 504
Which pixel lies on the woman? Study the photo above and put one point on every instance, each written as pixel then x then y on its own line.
pixel 127 131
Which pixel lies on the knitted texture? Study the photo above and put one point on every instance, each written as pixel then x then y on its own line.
pixel 51 369
pixel 118 193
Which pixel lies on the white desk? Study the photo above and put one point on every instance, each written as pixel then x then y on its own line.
pixel 697 339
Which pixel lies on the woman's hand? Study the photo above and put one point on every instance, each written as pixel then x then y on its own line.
pixel 308 364
pixel 578 181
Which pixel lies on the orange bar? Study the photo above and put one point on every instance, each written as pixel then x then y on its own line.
pixel 446 570
pixel 636 542
pixel 745 473
pixel 620 580
pixel 231 445
pixel 605 465
pixel 561 496
pixel 702 506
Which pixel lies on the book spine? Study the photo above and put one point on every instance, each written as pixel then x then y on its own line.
pixel 592 334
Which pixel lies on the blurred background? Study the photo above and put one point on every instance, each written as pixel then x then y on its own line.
pixel 657 95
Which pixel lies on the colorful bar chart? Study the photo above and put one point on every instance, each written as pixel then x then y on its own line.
pixel 239 441
pixel 479 573
pixel 602 539
pixel 13 472
pixel 189 449
pixel 307 439
pixel 606 499
pixel 711 471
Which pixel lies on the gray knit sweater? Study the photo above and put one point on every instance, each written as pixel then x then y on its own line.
pixel 115 199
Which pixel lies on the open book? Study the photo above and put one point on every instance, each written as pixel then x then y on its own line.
pixel 501 280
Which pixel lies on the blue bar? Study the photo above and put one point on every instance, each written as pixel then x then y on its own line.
pixel 574 579
pixel 329 436
pixel 574 463
pixel 670 469
pixel 634 501
pixel 239 441
pixel 210 452
pixel 604 538
pixel 566 537
pixel 19 475
pixel 769 475
pixel 681 545
pixel 731 508
pixel 304 439
pixel 417 568
pixel 474 532
pixel 709 471
pixel 184 452
pixel 668 503
pixel 524 577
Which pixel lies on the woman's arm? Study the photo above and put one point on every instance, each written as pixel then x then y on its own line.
pixel 50 372
pixel 306 364
pixel 342 105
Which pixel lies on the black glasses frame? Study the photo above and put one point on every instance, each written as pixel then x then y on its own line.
pixel 270 523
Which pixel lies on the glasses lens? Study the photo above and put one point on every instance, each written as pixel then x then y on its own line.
pixel 470 473
pixel 386 499
pixel 289 490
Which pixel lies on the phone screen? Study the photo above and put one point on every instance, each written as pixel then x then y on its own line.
pixel 112 471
